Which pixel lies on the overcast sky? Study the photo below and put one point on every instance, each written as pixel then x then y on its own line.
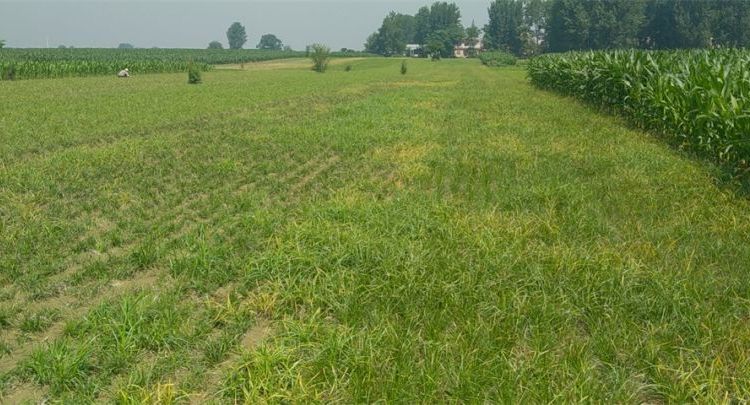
pixel 193 24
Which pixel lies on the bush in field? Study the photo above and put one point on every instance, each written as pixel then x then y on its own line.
pixel 348 68
pixel 9 72
pixel 320 55
pixel 699 98
pixel 403 67
pixel 497 58
pixel 215 45
pixel 194 74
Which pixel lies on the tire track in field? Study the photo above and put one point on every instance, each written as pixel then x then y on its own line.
pixel 263 328
pixel 107 394
pixel 83 259
pixel 253 338
pixel 318 170
pixel 306 172
pixel 301 176
pixel 211 121
pixel 146 280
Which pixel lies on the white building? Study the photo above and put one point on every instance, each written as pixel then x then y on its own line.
pixel 464 50
pixel 414 50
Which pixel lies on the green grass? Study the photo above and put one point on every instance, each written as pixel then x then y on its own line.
pixel 697 99
pixel 281 235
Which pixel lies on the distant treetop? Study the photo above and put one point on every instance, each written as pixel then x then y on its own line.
pixel 269 41
pixel 236 36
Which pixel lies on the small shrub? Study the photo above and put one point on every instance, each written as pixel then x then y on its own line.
pixel 320 55
pixel 403 67
pixel 348 68
pixel 194 74
pixel 9 73
pixel 497 58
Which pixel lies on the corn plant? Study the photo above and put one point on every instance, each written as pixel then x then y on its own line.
pixel 698 98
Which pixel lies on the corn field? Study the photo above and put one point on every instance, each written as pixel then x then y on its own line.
pixel 698 98
pixel 51 63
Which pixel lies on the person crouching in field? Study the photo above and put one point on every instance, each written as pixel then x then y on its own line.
pixel 124 73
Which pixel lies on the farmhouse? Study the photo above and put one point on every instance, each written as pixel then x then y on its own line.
pixel 414 50
pixel 464 50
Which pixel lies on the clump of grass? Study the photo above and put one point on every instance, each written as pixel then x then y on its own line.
pixel 194 74
pixel 62 365
pixel 39 321
pixel 4 348
pixel 403 67
pixel 348 68
pixel 216 350
pixel 6 316
pixel 497 59
pixel 161 393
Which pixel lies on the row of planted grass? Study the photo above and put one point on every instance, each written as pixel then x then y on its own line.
pixel 51 63
pixel 54 63
pixel 700 99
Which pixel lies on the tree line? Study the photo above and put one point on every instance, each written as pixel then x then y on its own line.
pixel 531 27
pixel 528 27
pixel 437 27
pixel 237 37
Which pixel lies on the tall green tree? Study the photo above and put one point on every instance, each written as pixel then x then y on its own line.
pixel 675 24
pixel 615 23
pixel 506 23
pixel 568 27
pixel 441 42
pixel 374 43
pixel 444 28
pixel 444 16
pixel 422 25
pixel 732 23
pixel 660 28
pixel 270 41
pixel 396 31
pixel 533 32
pixel 442 21
pixel 694 23
pixel 236 36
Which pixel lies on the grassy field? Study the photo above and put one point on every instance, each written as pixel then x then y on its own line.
pixel 451 234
